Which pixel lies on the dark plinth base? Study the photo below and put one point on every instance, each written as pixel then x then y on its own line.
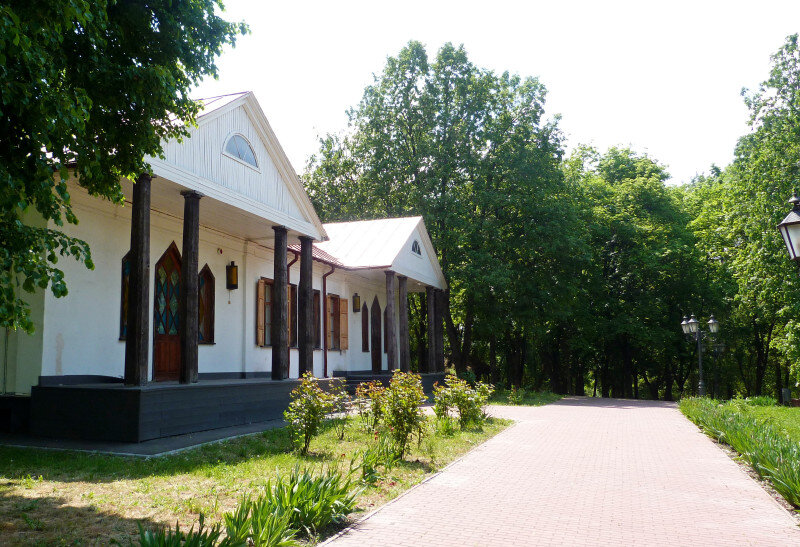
pixel 356 377
pixel 113 412
pixel 14 413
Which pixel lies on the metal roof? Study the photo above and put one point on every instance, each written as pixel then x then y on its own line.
pixel 210 104
pixel 367 243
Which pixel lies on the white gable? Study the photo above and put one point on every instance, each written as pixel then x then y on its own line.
pixel 271 186
pixel 385 244
pixel 423 267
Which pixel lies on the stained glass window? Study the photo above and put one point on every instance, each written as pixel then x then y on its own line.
pixel 168 285
pixel 205 306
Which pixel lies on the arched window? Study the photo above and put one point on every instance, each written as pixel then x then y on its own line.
pixel 238 147
pixel 415 248
pixel 123 313
pixel 205 306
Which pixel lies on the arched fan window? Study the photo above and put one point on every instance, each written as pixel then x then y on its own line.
pixel 238 147
pixel 415 248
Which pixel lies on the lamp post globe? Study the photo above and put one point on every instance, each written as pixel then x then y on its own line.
pixel 685 324
pixel 713 325
pixel 790 229
pixel 694 324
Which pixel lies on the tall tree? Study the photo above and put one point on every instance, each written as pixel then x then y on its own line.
pixel 91 87
pixel 470 150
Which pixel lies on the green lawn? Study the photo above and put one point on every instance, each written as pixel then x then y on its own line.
pixel 785 418
pixel 54 497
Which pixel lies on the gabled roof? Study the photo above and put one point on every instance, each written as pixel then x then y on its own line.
pixel 368 243
pixel 303 221
pixel 377 244
pixel 216 106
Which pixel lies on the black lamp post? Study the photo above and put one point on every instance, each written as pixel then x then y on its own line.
pixel 691 328
pixel 790 229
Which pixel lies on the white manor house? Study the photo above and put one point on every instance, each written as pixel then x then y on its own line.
pixel 215 285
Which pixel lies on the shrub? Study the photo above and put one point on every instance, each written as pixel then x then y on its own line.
pixel 340 403
pixel 469 403
pixel 401 408
pixel 307 409
pixel 516 396
pixel 370 460
pixel 167 537
pixel 310 502
pixel 369 398
pixel 259 524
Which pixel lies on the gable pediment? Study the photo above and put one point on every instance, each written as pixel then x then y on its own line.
pixel 270 184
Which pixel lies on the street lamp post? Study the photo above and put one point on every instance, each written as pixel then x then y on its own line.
pixel 691 328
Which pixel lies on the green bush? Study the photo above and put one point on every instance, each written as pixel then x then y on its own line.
pixel 167 537
pixel 369 400
pixel 469 403
pixel 310 502
pixel 340 405
pixel 308 407
pixel 769 451
pixel 402 414
pixel 369 461
pixel 259 524
pixel 516 396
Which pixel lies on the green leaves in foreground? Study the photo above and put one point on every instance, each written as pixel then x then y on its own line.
pixel 298 502
pixel 769 450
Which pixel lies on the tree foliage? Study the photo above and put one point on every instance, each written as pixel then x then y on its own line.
pixel 575 272
pixel 87 89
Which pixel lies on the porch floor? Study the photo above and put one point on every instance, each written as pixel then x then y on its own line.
pixel 147 449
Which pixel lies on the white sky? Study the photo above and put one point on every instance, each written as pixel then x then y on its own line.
pixel 663 77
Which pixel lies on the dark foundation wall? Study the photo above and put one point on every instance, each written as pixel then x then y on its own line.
pixel 14 413
pixel 113 412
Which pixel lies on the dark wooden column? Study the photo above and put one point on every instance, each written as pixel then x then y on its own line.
pixel 306 312
pixel 391 336
pixel 430 299
pixel 280 308
pixel 438 329
pixel 187 304
pixel 137 347
pixel 405 349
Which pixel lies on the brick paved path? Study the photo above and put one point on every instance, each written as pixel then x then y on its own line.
pixel 585 472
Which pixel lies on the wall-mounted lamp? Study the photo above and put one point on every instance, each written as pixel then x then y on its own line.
pixel 232 276
pixel 356 303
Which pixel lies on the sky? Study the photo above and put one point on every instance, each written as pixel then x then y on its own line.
pixel 664 78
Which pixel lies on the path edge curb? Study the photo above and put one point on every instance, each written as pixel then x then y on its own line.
pixel 355 524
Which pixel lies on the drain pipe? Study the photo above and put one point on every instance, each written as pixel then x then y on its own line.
pixel 325 322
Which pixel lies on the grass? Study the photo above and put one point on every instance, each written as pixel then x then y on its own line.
pixel 523 397
pixel 55 497
pixel 767 437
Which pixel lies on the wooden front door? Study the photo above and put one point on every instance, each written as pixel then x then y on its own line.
pixel 375 348
pixel 167 344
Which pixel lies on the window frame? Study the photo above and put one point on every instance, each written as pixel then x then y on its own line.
pixel 124 296
pixel 225 152
pixel 317 313
pixel 268 300
pixel 416 248
pixel 210 290
pixel 365 328
pixel 333 324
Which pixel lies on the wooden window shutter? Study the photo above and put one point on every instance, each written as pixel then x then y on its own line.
pixel 261 290
pixel 343 325
pixel 328 322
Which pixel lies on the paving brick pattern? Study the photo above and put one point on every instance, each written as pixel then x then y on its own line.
pixel 585 472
